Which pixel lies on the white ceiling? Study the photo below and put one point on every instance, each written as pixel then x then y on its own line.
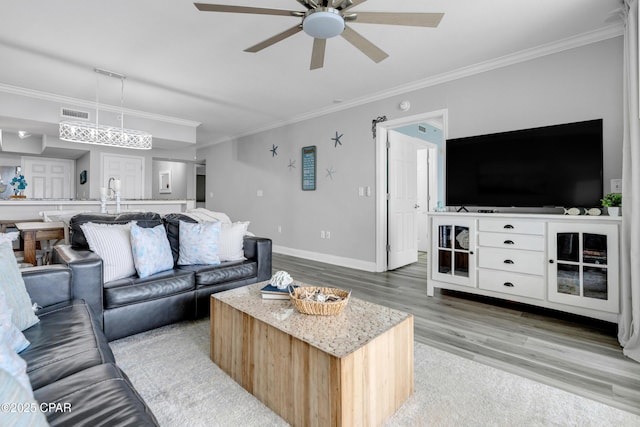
pixel 190 65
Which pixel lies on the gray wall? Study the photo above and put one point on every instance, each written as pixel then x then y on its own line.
pixel 578 84
pixel 182 177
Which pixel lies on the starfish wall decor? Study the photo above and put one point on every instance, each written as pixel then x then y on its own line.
pixel 274 150
pixel 336 140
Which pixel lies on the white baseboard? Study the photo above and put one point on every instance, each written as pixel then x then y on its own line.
pixel 358 264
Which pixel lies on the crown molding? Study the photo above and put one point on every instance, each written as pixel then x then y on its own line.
pixel 604 33
pixel 68 101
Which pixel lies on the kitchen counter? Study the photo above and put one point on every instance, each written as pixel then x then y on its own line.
pixel 26 209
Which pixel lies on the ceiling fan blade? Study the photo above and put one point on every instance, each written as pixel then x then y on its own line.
pixel 275 39
pixel 365 46
pixel 392 18
pixel 354 3
pixel 205 7
pixel 317 54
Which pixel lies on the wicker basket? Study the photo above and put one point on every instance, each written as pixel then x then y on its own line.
pixel 315 307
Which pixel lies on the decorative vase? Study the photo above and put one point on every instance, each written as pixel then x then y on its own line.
pixel 613 210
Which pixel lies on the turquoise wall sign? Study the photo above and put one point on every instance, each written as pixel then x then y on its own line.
pixel 309 168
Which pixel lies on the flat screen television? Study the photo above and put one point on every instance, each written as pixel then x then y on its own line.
pixel 551 166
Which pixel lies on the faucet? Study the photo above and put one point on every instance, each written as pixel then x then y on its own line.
pixel 111 190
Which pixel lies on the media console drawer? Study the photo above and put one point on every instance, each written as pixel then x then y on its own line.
pixel 511 283
pixel 529 262
pixel 506 225
pixel 511 241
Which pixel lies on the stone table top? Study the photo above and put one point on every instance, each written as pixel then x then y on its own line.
pixel 338 335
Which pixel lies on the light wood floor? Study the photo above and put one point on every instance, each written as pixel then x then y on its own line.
pixel 572 353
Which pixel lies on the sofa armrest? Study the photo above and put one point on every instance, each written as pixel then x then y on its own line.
pixel 86 276
pixel 48 285
pixel 259 249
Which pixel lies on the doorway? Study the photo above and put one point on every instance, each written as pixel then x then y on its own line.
pixel 392 171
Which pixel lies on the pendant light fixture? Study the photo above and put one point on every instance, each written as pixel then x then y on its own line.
pixel 95 133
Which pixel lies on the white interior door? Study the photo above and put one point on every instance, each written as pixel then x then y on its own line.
pixel 423 198
pixel 129 170
pixel 48 178
pixel 402 201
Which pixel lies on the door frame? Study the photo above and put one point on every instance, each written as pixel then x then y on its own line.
pixel 381 175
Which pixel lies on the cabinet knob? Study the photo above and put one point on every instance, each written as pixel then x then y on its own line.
pixel 508 242
pixel 550 261
pixel 508 284
pixel 508 226
pixel 508 261
pixel 471 252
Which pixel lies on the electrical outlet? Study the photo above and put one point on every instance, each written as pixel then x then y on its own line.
pixel 279 229
pixel 322 234
pixel 260 193
pixel 360 191
pixel 328 234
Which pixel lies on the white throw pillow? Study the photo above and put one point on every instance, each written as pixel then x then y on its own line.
pixel 231 243
pixel 12 285
pixel 199 243
pixel 151 250
pixel 112 243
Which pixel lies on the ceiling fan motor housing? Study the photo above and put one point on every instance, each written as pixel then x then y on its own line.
pixel 323 23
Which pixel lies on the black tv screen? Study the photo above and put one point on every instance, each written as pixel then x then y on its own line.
pixel 559 166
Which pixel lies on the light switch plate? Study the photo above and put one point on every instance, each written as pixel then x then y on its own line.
pixel 616 186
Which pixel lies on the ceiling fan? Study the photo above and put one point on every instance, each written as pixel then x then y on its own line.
pixel 325 19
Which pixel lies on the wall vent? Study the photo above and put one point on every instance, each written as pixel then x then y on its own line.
pixel 422 129
pixel 68 113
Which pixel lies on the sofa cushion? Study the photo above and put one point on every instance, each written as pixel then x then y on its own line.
pixel 98 396
pixel 207 275
pixel 172 224
pixel 151 250
pixel 65 341
pixel 78 241
pixel 134 289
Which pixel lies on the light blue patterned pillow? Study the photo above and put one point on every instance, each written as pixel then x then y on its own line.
pixel 199 243
pixel 151 250
pixel 12 284
pixel 13 393
pixel 13 336
pixel 9 359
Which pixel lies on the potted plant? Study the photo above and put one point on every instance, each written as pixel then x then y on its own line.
pixel 612 202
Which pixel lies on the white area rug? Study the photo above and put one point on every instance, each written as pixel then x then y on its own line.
pixel 171 369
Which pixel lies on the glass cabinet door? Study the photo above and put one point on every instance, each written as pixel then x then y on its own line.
pixel 583 262
pixel 453 258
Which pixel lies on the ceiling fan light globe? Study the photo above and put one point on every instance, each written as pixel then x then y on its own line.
pixel 323 24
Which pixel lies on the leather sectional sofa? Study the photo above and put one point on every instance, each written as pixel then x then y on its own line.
pixel 131 305
pixel 69 363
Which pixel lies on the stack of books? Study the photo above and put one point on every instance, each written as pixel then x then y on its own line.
pixel 271 292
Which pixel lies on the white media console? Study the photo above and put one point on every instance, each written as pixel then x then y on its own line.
pixel 561 262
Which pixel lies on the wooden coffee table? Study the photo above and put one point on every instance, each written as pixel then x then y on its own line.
pixel 355 368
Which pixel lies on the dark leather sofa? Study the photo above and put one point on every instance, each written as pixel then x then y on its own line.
pixel 70 365
pixel 131 305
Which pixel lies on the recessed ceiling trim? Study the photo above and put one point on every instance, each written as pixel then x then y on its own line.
pixel 604 33
pixel 67 100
